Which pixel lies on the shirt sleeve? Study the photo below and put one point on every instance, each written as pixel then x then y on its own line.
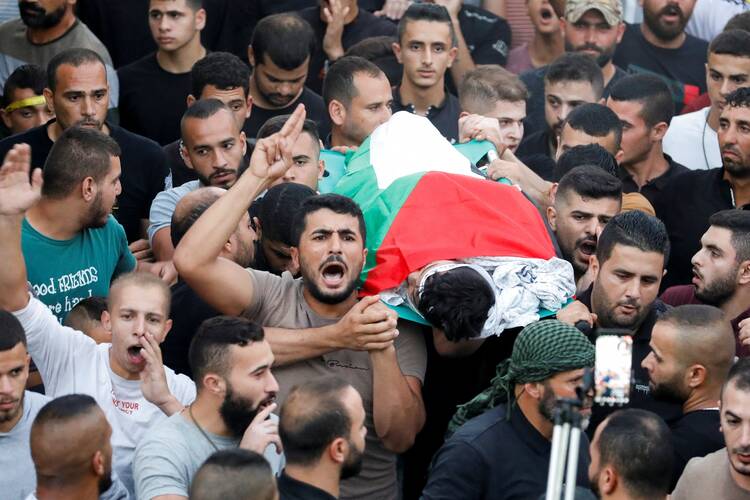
pixel 268 294
pixel 161 212
pixel 684 486
pixel 410 350
pixel 127 262
pixel 457 472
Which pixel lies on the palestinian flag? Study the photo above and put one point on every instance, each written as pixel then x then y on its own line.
pixel 422 203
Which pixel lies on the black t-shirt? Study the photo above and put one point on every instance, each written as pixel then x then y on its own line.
pixel 537 143
pixel 179 171
pixel 682 68
pixel 695 434
pixel 365 25
pixel 653 188
pixel 495 457
pixel 534 81
pixel 144 170
pixel 152 100
pixel 291 489
pixel 316 111
pixel 444 116
pixel 685 204
pixel 188 311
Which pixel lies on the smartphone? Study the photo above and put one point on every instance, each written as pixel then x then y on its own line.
pixel 613 369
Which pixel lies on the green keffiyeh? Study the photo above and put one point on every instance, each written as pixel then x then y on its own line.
pixel 542 349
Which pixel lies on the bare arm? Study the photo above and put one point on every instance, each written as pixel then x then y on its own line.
pixel 218 281
pixel 162 244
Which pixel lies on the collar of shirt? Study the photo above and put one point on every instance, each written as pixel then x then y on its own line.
pixel 399 105
pixel 656 182
pixel 528 433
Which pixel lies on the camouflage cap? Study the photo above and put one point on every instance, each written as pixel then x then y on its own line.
pixel 610 9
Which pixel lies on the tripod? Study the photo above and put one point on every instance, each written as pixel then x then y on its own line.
pixel 566 440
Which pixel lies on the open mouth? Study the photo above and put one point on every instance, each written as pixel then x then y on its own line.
pixel 546 13
pixel 135 356
pixel 587 248
pixel 333 274
pixel 267 402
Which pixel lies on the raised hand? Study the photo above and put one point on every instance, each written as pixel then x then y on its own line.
pixel 261 432
pixel 272 156
pixel 334 15
pixel 153 379
pixel 394 9
pixel 17 193
pixel 369 325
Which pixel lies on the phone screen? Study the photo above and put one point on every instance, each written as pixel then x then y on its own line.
pixel 612 373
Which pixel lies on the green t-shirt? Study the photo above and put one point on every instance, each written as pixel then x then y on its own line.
pixel 62 272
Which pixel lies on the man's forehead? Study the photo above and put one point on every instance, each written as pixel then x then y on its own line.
pixel 306 145
pixel 168 5
pixel 427 32
pixel 90 74
pixel 635 260
pixel 570 90
pixel 224 95
pixel 217 128
pixel 736 113
pixel 10 358
pixel 271 69
pixel 328 220
pixel 507 109
pixel 736 401
pixel 598 207
pixel 729 64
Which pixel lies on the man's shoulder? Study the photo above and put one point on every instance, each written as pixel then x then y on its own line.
pixel 695 44
pixel 679 295
pixel 32 136
pixel 175 194
pixel 145 64
pixel 694 120
pixel 484 429
pixel 134 143
pixel 13 28
pixel 704 468
pixel 311 98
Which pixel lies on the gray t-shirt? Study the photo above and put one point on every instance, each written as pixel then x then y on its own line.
pixel 279 303
pixel 708 477
pixel 170 454
pixel 163 207
pixel 18 477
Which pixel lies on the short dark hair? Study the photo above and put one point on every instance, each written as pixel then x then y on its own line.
pixel 576 67
pixel 334 202
pixel 739 98
pixel 587 154
pixel 182 222
pixel 590 181
pixel 223 70
pixel 633 229
pixel 739 375
pixel 651 92
pixel 595 120
pixel 26 76
pixel 312 416
pixel 297 34
pixel 231 474
pixel 339 81
pixel 733 42
pixel 73 57
pixel 209 349
pixel 89 309
pixel 738 223
pixel 78 153
pixel 488 84
pixel 638 444
pixel 65 408
pixel 12 331
pixel 379 51
pixel 457 301
pixel 276 123
pixel 426 12
pixel 194 5
pixel 203 109
pixel 739 21
pixel 693 316
pixel 277 209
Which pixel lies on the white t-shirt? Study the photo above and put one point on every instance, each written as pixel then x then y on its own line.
pixel 710 16
pixel 691 142
pixel 72 363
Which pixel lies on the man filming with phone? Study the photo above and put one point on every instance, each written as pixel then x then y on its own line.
pixel 627 268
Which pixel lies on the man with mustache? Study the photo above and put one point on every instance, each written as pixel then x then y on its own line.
pixel 660 45
pixel 689 199
pixel 627 269
pixel 724 473
pixel 46 28
pixel 231 363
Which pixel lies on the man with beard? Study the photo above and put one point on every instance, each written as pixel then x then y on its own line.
pixel 631 457
pixel 724 473
pixel 689 199
pixel 46 28
pixel 626 270
pixel 77 92
pixel 231 363
pixel 660 45
pixel 322 428
pixel 214 147
pixel 502 441
pixel 591 27
pixel 316 325
pixel 586 200
pixel 277 85
pixel 721 273
pixel 71 449
pixel 692 350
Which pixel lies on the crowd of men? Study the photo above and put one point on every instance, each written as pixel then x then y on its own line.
pixel 180 311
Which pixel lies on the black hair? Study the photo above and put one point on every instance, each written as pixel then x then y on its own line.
pixel 78 153
pixel 739 376
pixel 638 444
pixel 12 331
pixel 182 222
pixel 576 67
pixel 73 57
pixel 595 120
pixel 27 76
pixel 65 408
pixel 339 81
pixel 209 349
pixel 379 51
pixel 587 154
pixel 194 5
pixel 693 316
pixel 739 21
pixel 590 181
pixel 739 98
pixel 426 12
pixel 276 123
pixel 234 474
pixel 333 202
pixel 732 42
pixel 487 84
pixel 633 229
pixel 457 301
pixel 651 92
pixel 90 308
pixel 312 416
pixel 298 41
pixel 738 223
pixel 223 70
pixel 277 209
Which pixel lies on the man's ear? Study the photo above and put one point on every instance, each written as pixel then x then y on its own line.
pixel 200 19
pixel 243 140
pixel 696 375
pixel 321 168
pixel 215 384
pixel 251 57
pixel 107 321
pixel 397 51
pixel 89 188
pixel 294 254
pixel 452 55
pixel 658 131
pixel 258 228
pixel 249 101
pixel 190 100
pixel 594 266
pixel 552 218
pixel 6 118
pixel 49 97
pixel 534 389
pixel 337 450
pixel 185 155
pixel 98 463
pixel 607 480
pixel 743 277
pixel 337 112
pixel 463 114
pixel 619 156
